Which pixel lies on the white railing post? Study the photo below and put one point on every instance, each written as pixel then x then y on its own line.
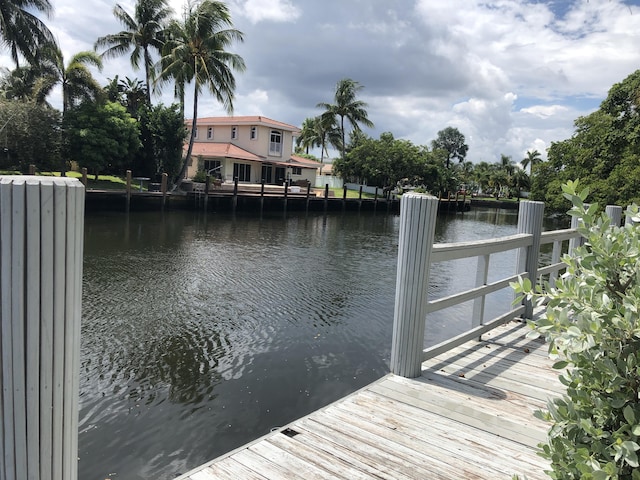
pixel 41 245
pixel 530 218
pixel 482 274
pixel 575 242
pixel 614 212
pixel 417 230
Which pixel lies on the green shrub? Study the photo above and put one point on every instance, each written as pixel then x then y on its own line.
pixel 592 326
pixel 200 176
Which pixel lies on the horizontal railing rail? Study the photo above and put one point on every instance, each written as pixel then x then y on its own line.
pixel 417 252
pixel 482 250
pixel 558 238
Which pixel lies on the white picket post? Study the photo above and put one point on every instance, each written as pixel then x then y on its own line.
pixel 417 230
pixel 41 239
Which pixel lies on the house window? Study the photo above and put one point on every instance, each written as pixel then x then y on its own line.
pixel 296 170
pixel 242 172
pixel 275 143
pixel 210 133
pixel 195 133
pixel 212 167
pixel 254 133
pixel 234 132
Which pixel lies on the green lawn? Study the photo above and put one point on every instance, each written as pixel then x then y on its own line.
pixel 110 182
pixel 501 199
pixel 338 193
pixel 104 182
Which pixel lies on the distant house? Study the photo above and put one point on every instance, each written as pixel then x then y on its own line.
pixel 251 149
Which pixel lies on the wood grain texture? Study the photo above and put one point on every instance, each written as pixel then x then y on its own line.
pixel 469 416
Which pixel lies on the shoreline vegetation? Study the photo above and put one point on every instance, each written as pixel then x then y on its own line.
pixel 113 182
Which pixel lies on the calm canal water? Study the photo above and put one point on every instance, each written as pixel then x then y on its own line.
pixel 201 333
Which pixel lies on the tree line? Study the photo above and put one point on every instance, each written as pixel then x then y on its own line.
pixel 390 162
pixel 603 153
pixel 113 127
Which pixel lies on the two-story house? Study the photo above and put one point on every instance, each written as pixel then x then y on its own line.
pixel 251 149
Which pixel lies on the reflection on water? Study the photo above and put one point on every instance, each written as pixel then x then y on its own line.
pixel 201 333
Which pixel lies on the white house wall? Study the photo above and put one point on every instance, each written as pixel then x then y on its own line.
pixel 258 146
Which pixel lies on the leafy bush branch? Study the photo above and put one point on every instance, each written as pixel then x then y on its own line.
pixel 592 326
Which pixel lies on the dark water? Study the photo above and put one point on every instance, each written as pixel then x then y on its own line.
pixel 201 333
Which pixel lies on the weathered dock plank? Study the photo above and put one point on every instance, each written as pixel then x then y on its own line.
pixel 470 415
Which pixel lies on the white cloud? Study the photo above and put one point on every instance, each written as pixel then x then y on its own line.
pixel 545 111
pixel 268 10
pixel 510 74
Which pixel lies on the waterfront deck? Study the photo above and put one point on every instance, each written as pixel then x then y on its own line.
pixel 470 415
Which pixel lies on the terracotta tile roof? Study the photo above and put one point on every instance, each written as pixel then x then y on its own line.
pixel 229 150
pixel 327 169
pixel 306 162
pixel 290 163
pixel 245 120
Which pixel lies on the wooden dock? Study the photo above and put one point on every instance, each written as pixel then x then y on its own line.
pixel 470 415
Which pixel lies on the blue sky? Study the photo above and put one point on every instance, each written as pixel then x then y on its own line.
pixel 511 75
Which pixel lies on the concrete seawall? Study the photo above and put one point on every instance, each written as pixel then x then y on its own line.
pixel 98 200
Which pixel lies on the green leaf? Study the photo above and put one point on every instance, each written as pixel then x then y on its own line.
pixel 574 331
pixel 629 415
pixel 631 458
pixel 560 365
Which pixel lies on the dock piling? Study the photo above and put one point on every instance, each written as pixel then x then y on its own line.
pixel 163 188
pixel 234 200
pixel 285 199
pixel 326 197
pixel 417 231
pixel 128 190
pixel 375 201
pixel 41 240
pixel 207 186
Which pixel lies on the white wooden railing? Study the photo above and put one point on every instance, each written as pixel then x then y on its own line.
pixel 417 252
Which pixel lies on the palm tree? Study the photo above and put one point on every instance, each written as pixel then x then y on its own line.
pixel 23 32
pixel 35 82
pixel 75 78
pixel 320 131
pixel 508 167
pixel 328 134
pixel 21 83
pixel 143 32
pixel 308 138
pixel 196 50
pixel 520 180
pixel 346 106
pixel 532 159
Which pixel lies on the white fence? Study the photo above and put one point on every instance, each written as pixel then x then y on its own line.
pixel 333 182
pixel 416 252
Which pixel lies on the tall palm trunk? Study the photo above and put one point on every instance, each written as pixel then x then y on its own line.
pixel 183 171
pixel 343 136
pixel 147 62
